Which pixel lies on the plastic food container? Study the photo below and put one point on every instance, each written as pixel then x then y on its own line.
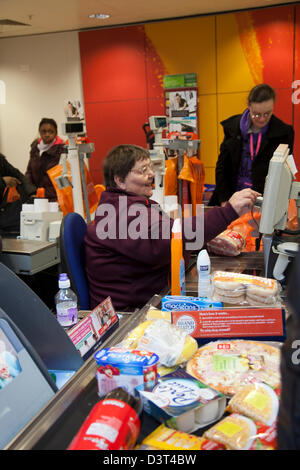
pixel 120 367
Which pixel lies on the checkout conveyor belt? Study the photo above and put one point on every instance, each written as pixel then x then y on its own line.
pixel 58 422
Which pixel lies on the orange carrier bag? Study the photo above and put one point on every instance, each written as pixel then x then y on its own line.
pixel 171 185
pixel 65 195
pixel 197 186
pixel 12 195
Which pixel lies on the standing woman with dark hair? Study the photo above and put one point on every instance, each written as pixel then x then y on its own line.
pixel 44 154
pixel 250 139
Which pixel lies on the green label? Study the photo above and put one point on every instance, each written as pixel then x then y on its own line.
pixel 186 80
pixel 230 363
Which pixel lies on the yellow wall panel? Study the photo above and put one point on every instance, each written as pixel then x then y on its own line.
pixel 208 134
pixel 229 104
pixel 233 72
pixel 187 47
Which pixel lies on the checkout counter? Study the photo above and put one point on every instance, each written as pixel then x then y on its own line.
pixel 55 425
pixel 59 420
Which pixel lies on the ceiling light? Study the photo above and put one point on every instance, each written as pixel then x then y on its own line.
pixel 99 16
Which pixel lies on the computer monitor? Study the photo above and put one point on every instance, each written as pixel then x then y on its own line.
pixel 279 189
pixel 25 384
pixel 158 123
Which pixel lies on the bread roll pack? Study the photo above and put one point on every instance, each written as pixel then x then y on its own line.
pixel 237 288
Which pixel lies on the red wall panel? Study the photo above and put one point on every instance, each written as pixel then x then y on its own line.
pixel 113 123
pixel 122 87
pixel 296 92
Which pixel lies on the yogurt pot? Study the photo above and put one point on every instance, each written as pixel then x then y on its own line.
pixel 120 367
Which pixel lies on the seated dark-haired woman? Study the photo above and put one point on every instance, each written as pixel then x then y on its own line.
pixel 45 153
pixel 128 248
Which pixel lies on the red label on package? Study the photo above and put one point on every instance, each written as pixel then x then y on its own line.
pixel 232 322
pixel 111 425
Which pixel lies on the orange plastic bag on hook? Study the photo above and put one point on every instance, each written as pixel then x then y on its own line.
pixel 171 186
pixel 65 195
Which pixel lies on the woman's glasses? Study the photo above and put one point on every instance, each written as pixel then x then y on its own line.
pixel 144 170
pixel 261 115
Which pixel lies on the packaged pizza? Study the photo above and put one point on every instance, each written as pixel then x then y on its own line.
pixel 238 432
pixel 172 344
pixel 257 401
pixel 227 243
pixel 228 365
pixel 237 288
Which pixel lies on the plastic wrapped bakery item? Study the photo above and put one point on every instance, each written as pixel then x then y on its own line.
pixel 237 288
pixel 238 432
pixel 228 243
pixel 257 401
pixel 172 344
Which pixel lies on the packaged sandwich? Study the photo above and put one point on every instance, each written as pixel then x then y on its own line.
pixel 237 288
pixel 227 243
pixel 237 432
pixel 257 401
pixel 172 344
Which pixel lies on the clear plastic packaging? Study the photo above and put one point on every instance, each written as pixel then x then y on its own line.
pixel 257 401
pixel 227 243
pixel 172 344
pixel 237 432
pixel 237 288
pixel 229 365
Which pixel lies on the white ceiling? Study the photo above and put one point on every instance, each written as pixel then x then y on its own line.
pixel 45 16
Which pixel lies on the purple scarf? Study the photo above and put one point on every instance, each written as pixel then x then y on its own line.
pixel 251 145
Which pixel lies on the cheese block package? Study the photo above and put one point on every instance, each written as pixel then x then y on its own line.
pixel 172 344
pixel 257 401
pixel 228 243
pixel 164 438
pixel 236 288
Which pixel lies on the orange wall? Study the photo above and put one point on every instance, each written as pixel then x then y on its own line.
pixel 123 69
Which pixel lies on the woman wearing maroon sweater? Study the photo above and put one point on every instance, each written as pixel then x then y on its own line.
pixel 44 154
pixel 128 248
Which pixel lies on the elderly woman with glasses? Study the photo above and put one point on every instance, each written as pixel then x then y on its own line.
pixel 250 140
pixel 128 247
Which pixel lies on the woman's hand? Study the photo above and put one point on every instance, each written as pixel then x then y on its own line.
pixel 10 181
pixel 242 201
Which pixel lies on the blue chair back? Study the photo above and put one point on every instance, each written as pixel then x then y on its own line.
pixel 72 232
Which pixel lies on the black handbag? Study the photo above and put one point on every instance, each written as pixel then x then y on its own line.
pixel 10 215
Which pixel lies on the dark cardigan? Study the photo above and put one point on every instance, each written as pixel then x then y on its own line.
pixel 128 270
pixel 38 165
pixel 231 151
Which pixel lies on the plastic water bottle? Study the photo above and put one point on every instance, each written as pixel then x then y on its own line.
pixel 66 303
pixel 203 268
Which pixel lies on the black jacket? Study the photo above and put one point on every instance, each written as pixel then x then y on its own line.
pixel 25 189
pixel 231 151
pixel 288 423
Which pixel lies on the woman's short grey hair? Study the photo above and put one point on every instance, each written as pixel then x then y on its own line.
pixel 119 162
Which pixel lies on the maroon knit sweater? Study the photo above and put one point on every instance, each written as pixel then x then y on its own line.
pixel 131 270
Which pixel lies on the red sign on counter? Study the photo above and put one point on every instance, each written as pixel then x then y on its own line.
pixel 233 323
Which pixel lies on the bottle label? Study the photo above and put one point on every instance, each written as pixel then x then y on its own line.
pixel 66 316
pixel 204 269
pixel 111 425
